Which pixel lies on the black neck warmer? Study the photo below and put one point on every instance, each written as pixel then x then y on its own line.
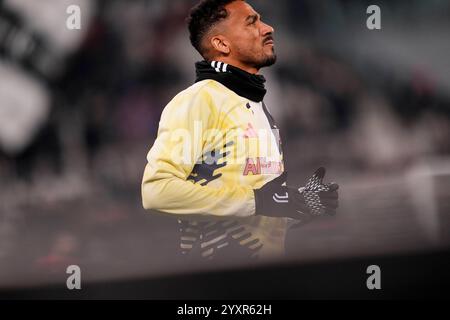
pixel 250 86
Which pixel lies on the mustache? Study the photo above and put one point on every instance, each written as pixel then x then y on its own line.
pixel 268 38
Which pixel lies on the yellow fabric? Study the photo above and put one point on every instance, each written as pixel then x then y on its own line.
pixel 206 117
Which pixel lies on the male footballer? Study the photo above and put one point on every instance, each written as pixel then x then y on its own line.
pixel 217 163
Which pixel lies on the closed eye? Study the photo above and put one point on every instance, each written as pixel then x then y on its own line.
pixel 252 19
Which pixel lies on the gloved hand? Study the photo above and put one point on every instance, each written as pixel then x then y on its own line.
pixel 277 199
pixel 320 198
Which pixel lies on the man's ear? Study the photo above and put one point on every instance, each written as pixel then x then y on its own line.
pixel 220 44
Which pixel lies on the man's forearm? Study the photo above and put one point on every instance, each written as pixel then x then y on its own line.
pixel 177 196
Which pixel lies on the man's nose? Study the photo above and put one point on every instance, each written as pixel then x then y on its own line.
pixel 267 29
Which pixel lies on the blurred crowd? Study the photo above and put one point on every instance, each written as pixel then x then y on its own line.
pixel 106 101
pixel 105 104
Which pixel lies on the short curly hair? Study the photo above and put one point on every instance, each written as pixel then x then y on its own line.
pixel 203 17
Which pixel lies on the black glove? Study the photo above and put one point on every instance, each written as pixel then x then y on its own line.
pixel 277 199
pixel 320 198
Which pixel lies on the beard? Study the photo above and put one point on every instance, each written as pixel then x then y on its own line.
pixel 267 61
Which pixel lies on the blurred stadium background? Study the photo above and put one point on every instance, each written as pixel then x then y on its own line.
pixel 79 110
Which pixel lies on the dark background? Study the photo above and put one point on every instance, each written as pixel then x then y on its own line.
pixel 79 110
